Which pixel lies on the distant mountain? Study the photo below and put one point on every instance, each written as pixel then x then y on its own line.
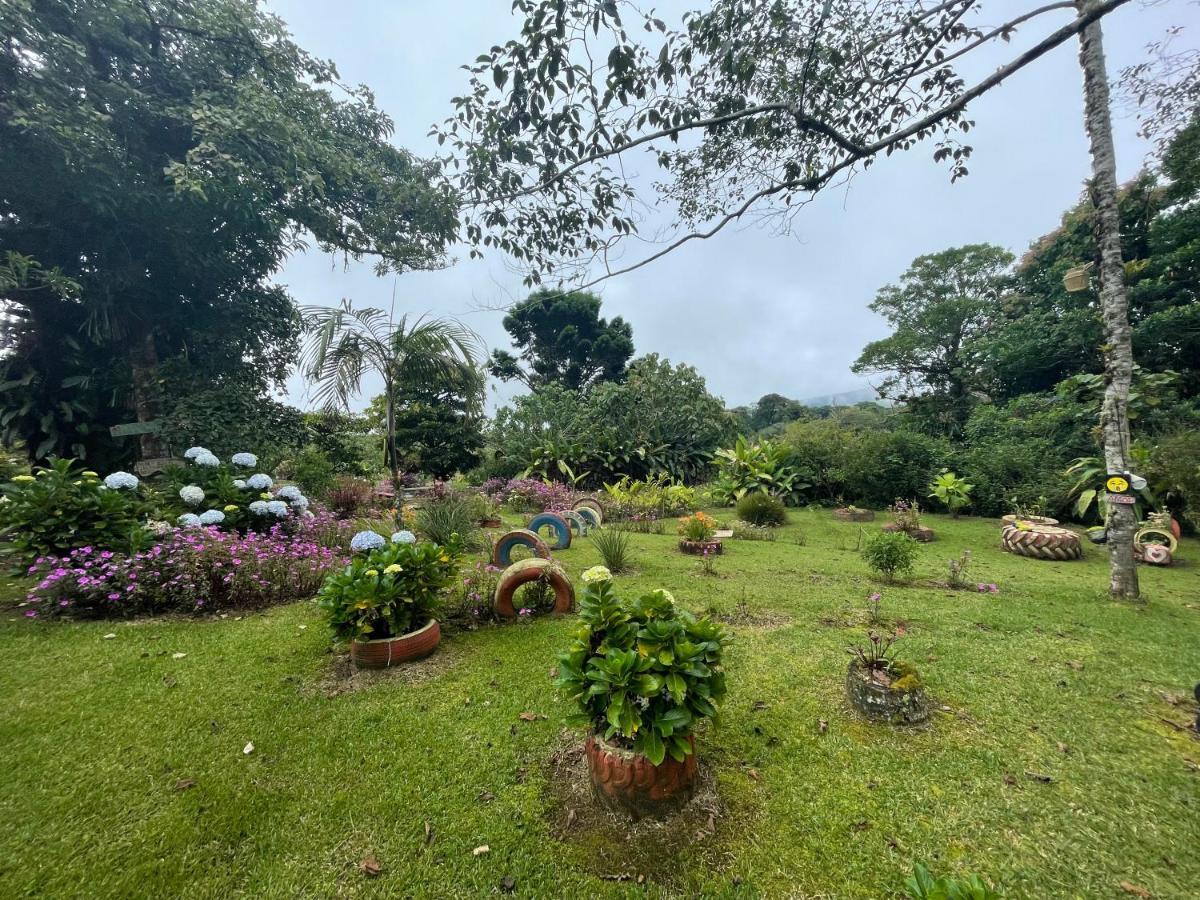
pixel 846 398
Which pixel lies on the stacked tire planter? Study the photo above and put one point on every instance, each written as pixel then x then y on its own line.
pixel 520 537
pixel 528 570
pixel 556 522
pixel 629 782
pixel 1037 541
pixel 384 652
pixel 902 701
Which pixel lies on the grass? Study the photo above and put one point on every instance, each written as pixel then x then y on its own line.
pixel 1047 677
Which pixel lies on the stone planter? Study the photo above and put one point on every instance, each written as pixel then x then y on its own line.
pixel 697 548
pixel 879 702
pixel 846 514
pixel 920 533
pixel 384 652
pixel 630 783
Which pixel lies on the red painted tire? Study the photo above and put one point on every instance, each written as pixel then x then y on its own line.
pixel 630 782
pixel 384 652
pixel 528 570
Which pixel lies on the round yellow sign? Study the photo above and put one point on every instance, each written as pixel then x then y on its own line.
pixel 1117 484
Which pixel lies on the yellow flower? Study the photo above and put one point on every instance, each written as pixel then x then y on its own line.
pixel 393 569
pixel 76 483
pixel 90 474
pixel 596 573
pixel 265 495
pixel 23 478
pixel 444 558
pixel 232 507
pixel 361 604
pixel 372 572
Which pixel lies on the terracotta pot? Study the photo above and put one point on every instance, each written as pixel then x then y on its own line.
pixel 384 652
pixel 883 702
pixel 696 548
pixel 629 782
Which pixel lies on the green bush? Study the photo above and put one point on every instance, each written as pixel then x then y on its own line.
pixel 643 672
pixel 757 468
pixel 614 546
pixel 890 554
pixel 62 506
pixel 311 468
pixel 886 465
pixel 453 517
pixel 1174 473
pixel 231 418
pixel 761 509
pixel 818 450
pixel 923 886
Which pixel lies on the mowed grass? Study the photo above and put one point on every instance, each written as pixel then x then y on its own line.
pixel 1046 680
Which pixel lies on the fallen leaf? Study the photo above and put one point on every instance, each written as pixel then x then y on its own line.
pixel 1009 778
pixel 371 866
pixel 759 705
pixel 1063 748
pixel 109 636
pixel 184 784
pixel 485 797
pixel 248 749
pixel 1038 776
pixel 178 655
pixel 753 773
pixel 428 834
pixel 1075 664
pixel 1138 890
pixel 823 726
pixel 302 627
pixel 481 849
pixel 570 817
pixel 529 717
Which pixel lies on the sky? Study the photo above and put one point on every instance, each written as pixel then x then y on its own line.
pixel 755 312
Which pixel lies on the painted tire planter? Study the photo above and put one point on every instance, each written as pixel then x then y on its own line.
pixel 1156 535
pixel 884 702
pixel 845 514
pixel 629 782
pixel 920 534
pixel 1041 542
pixel 1153 554
pixel 578 523
pixel 384 652
pixel 697 548
pixel 528 570
pixel 588 515
pixel 590 503
pixel 1032 520
pixel 562 530
pixel 502 551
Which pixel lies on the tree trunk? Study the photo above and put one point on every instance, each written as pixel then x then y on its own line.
pixel 143 368
pixel 393 458
pixel 1114 302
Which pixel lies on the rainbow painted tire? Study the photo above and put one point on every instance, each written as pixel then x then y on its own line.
pixel 578 523
pixel 589 515
pixel 502 551
pixel 528 570
pixel 592 504
pixel 562 530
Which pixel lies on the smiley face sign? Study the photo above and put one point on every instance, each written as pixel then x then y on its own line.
pixel 1117 484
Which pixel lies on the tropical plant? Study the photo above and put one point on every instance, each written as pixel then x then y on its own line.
pixel 699 526
pixel 762 510
pixel 762 467
pixel 1090 473
pixel 953 492
pixel 921 885
pixel 452 519
pixel 614 546
pixel 890 553
pixel 346 343
pixel 388 591
pixel 657 496
pixel 643 672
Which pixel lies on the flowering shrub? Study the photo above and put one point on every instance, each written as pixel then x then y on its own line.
pixel 643 672
pixel 531 495
pixel 388 591
pixel 697 527
pixel 187 570
pixel 907 514
pixel 365 541
pixel 209 494
pixel 64 506
pixel 476 590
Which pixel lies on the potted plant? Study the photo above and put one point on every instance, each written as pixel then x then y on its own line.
pixel 883 688
pixel 696 534
pixel 384 601
pixel 644 673
pixel 907 514
pixel 853 513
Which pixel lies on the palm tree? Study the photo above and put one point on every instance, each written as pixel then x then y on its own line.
pixel 346 343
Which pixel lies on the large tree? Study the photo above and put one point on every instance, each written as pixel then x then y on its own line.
pixel 562 339
pixel 167 155
pixel 941 305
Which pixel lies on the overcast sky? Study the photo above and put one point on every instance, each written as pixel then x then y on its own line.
pixel 753 311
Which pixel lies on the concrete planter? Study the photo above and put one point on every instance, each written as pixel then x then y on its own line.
pixel 880 702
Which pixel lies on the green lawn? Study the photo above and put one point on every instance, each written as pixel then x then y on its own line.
pixel 1047 677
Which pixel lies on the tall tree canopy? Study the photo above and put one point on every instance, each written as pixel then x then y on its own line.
pixel 942 303
pixel 166 155
pixel 562 339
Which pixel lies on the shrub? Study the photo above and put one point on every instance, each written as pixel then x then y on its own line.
pixel 207 491
pixel 475 593
pixel 951 491
pixel 656 497
pixel 761 509
pixel 883 465
pixel 348 496
pixel 1174 473
pixel 389 591
pixel 764 468
pixel 455 514
pixel 531 495
pixel 614 546
pixel 642 672
pixel 818 450
pixel 233 417
pixel 311 469
pixel 63 506
pixel 890 553
pixel 745 531
pixel 921 885
pixel 697 527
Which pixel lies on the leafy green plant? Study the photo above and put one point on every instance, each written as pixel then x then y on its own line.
pixel 390 591
pixel 763 467
pixel 697 527
pixel 747 531
pixel 1090 473
pixel 950 490
pixel 761 510
pixel 310 468
pixel 614 546
pixel 63 506
pixel 440 520
pixel 657 496
pixel 643 672
pixel 921 885
pixel 890 554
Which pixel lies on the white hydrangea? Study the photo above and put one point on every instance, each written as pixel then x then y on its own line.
pixel 193 452
pixel 277 508
pixel 239 483
pixel 596 574
pixel 308 514
pixel 259 482
pixel 258 507
pixel 207 460
pixel 189 520
pixel 118 481
pixel 289 492
pixel 212 517
pixel 192 494
pixel 247 460
pixel 367 540
pixel 300 503
pixel 404 537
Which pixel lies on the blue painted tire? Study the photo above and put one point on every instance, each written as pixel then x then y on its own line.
pixel 589 515
pixel 562 531
pixel 578 523
pixel 590 503
pixel 502 551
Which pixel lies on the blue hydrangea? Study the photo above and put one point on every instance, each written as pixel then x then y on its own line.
pixel 119 481
pixel 258 507
pixel 289 492
pixel 192 494
pixel 193 452
pixel 212 517
pixel 300 503
pixel 189 520
pixel 259 482
pixel 247 460
pixel 207 460
pixel 367 540
pixel 404 537
pixel 277 508
pixel 239 483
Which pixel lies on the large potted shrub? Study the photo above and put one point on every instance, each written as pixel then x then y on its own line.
pixel 384 601
pixel 643 673
pixel 696 535
pixel 882 687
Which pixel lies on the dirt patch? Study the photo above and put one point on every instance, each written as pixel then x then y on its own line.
pixel 742 616
pixel 614 847
pixel 341 676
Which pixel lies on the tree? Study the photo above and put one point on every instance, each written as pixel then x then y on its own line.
pixel 166 156
pixel 345 343
pixel 941 305
pixel 746 107
pixel 563 340
pixel 774 409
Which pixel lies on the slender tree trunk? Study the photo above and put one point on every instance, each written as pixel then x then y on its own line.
pixel 143 368
pixel 1114 302
pixel 393 458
